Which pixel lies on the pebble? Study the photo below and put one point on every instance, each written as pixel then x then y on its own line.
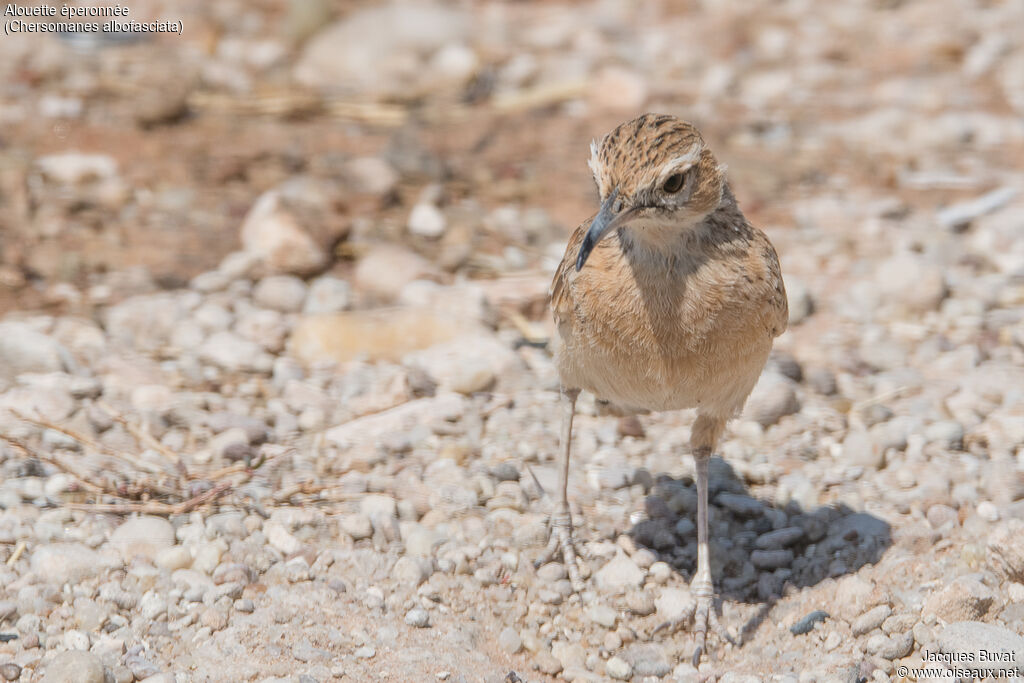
pixel 60 563
pixel 284 293
pixel 772 559
pixel 509 640
pixel 602 615
pixel 327 295
pixel 426 220
pixel 1004 552
pixel 619 574
pixel 964 599
pixel 274 235
pixel 647 659
pixel 806 624
pixel 409 571
pixel 546 663
pixel 74 666
pixel 773 398
pixel 356 525
pixel 619 669
pixel 10 671
pixel 25 349
pixel 779 538
pixel 417 617
pixel 142 536
pixel 870 620
pixel 963 637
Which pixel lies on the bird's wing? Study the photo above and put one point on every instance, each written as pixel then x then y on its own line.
pixel 561 305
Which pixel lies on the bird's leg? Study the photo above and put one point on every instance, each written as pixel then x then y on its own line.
pixel 702 587
pixel 561 541
pixel 705 435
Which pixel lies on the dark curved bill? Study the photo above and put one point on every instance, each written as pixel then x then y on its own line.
pixel 604 222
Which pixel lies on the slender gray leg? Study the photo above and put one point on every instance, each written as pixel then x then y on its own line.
pixel 561 540
pixel 705 434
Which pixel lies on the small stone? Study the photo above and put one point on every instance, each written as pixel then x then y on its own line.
pixel 61 563
pixel 284 293
pixel 273 233
pixel 409 571
pixel 909 281
pixel 968 638
pixel 896 646
pixel 74 666
pixel 385 269
pixel 948 433
pixel 551 572
pixel 378 506
pixel 806 624
pixel 801 304
pixel 860 449
pixel 964 599
pixel 24 349
pixel 173 558
pixel 988 512
pixel 602 615
pixel 659 572
pixel 618 574
pixel 640 603
pixel 231 444
pixel 870 620
pixel 772 559
pixel 741 505
pixel 426 220
pixel 372 175
pixel 509 640
pixel 10 671
pixel 674 603
pixel 356 525
pixel 648 659
pixel 76 640
pixel 279 537
pixel 780 538
pixel 619 669
pixel 213 618
pixel 546 663
pixel 1005 552
pixel 364 652
pixel 940 515
pixel 417 617
pixel 327 295
pixel 773 397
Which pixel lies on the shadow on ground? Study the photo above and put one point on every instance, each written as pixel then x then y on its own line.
pixel 757 549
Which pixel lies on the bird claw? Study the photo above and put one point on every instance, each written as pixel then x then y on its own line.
pixel 562 545
pixel 703 615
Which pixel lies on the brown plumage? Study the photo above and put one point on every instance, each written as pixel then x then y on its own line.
pixel 666 299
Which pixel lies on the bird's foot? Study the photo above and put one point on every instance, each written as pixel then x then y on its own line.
pixel 703 614
pixel 562 546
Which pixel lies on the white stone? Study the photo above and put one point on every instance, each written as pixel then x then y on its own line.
pixel 272 233
pixel 142 536
pixel 619 574
pixel 426 220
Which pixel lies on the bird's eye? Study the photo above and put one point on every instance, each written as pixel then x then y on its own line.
pixel 674 183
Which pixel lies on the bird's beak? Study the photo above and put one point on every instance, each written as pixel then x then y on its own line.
pixel 610 217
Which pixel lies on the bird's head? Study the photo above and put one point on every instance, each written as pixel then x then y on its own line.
pixel 656 176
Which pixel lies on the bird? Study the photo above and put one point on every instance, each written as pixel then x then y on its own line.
pixel 666 299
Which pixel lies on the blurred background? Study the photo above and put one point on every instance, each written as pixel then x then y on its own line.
pixel 848 130
pixel 291 267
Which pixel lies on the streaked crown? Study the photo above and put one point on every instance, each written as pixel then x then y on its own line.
pixel 658 161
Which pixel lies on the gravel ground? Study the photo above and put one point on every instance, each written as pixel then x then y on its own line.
pixel 275 402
